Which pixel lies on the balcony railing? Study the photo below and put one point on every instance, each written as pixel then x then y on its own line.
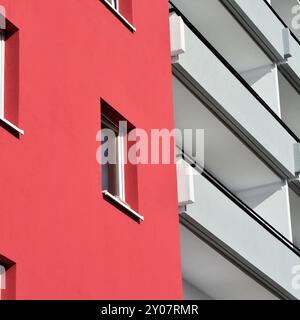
pixel 206 72
pixel 221 216
pixel 266 26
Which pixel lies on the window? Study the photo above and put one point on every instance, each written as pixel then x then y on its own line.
pixel 7 279
pixel 112 137
pixel 122 9
pixel 114 4
pixel 9 79
pixel 119 175
pixel 2 53
pixel 2 280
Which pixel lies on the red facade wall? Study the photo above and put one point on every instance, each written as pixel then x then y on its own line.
pixel 66 240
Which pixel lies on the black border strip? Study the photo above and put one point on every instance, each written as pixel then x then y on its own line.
pixel 232 70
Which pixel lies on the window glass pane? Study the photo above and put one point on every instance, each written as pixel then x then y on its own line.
pixel 116 4
pixel 2 279
pixel 1 74
pixel 109 161
pixel 105 176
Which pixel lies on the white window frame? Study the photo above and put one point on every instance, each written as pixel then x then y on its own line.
pixel 2 279
pixel 119 198
pixel 114 4
pixel 120 164
pixel 115 7
pixel 2 73
pixel 2 85
pixel 120 158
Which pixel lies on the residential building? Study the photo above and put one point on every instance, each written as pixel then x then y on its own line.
pixel 236 74
pixel 220 219
pixel 66 64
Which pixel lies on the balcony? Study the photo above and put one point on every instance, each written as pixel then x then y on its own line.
pixel 211 79
pixel 221 220
pixel 242 217
pixel 270 32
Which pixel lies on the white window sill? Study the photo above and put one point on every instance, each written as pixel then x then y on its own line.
pixel 118 14
pixel 8 123
pixel 123 204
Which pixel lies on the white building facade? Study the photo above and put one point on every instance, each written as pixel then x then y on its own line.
pixel 236 75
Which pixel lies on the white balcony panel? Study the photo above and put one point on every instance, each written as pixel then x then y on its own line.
pixel 210 80
pixel 264 20
pixel 214 21
pixel 294 61
pixel 295 216
pixel 208 275
pixel 290 104
pixel 237 230
pixel 269 31
pixel 229 159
